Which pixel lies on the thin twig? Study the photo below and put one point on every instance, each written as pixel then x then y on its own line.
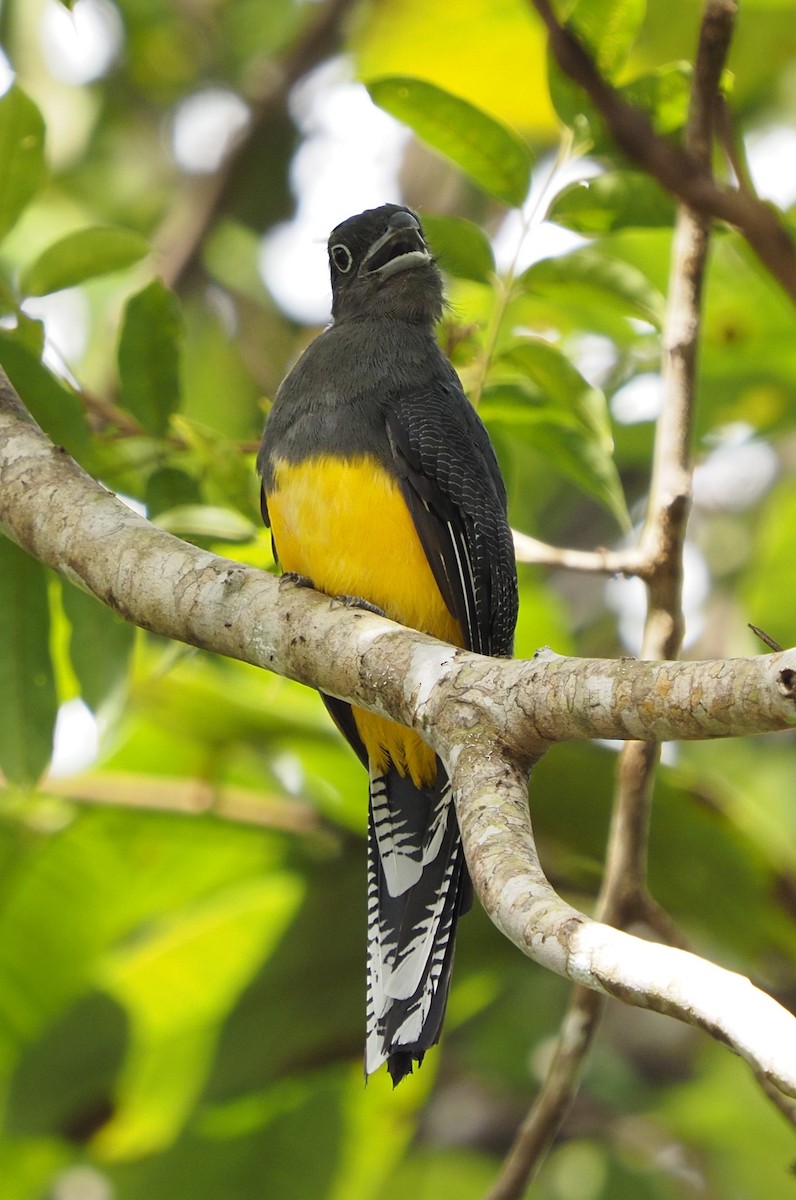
pixel 104 415
pixel 648 911
pixel 766 638
pixel 733 146
pixel 189 797
pixel 505 290
pixel 601 561
pixel 623 895
pixel 186 226
pixel 663 537
pixel 556 1097
pixel 678 170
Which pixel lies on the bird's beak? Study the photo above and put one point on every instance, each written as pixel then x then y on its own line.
pixel 400 248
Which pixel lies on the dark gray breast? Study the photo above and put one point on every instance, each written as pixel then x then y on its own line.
pixel 336 398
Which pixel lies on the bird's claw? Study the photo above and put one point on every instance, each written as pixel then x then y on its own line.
pixel 359 602
pixel 293 579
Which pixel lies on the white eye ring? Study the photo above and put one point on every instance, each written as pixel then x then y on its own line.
pixel 342 258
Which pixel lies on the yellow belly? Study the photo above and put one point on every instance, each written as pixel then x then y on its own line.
pixel 345 525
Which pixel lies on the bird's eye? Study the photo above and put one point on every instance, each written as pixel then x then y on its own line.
pixel 342 258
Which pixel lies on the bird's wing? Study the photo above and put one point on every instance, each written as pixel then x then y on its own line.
pixel 452 486
pixel 417 878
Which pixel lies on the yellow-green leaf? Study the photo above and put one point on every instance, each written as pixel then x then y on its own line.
pixel 460 246
pixel 100 676
pixel 608 27
pixel 27 684
pixel 535 388
pixel 615 200
pixel 489 152
pixel 149 356
pixel 81 256
pixel 492 54
pixel 21 155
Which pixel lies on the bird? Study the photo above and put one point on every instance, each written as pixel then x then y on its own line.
pixel 380 485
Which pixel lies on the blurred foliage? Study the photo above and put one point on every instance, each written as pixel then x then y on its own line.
pixel 182 949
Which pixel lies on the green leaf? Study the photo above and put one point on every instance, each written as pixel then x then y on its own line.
pixel 561 386
pixel 747 349
pixel 99 647
pixel 93 881
pixel 608 28
pixel 81 256
pixel 491 153
pixel 170 487
pixel 54 405
pixel 30 1165
pixel 8 303
pixel 149 356
pixel 615 200
pixel 490 54
pixel 550 406
pixel 21 154
pixel 64 1083
pixel 663 94
pixel 228 477
pixel 176 1005
pixel 29 333
pixel 575 110
pixel 604 280
pixel 230 255
pixel 442 1172
pixel 771 608
pixel 284 1142
pixel 461 247
pixel 215 367
pixel 27 684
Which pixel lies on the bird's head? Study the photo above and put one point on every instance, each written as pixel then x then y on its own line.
pixel 381 265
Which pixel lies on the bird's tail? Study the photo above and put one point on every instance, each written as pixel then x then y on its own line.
pixel 417 887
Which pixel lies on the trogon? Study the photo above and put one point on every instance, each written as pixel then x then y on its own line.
pixel 380 482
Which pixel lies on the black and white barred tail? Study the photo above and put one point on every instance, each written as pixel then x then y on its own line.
pixel 417 887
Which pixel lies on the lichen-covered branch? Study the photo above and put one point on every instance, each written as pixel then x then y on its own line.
pixel 52 508
pixel 489 719
pixel 496 828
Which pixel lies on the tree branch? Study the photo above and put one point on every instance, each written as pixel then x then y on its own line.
pixel 187 224
pixel 488 719
pixel 556 1096
pixel 624 895
pixel 675 169
pixel 50 506
pixel 192 798
pixel 603 562
pixel 496 829
pixel 668 507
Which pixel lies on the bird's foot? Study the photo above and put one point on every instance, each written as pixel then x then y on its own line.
pixel 293 579
pixel 359 602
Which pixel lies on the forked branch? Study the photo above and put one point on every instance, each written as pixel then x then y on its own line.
pixel 488 719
